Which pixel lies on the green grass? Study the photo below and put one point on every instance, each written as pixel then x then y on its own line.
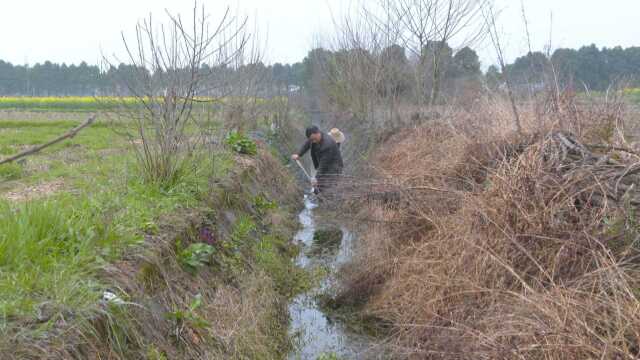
pixel 272 254
pixel 47 249
pixel 10 171
pixel 328 356
pixel 16 135
pixel 84 153
pixel 51 249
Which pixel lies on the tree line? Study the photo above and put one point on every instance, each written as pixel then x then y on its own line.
pixel 52 79
pixel 589 67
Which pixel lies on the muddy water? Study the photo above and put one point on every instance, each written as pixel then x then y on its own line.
pixel 317 334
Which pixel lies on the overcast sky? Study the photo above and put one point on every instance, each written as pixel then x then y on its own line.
pixel 75 30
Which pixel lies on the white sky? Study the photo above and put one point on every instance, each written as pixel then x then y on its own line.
pixel 75 30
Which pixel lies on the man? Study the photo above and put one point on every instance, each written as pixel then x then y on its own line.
pixel 326 157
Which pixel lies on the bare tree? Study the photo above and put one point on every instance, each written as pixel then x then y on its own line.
pixel 416 28
pixel 427 28
pixel 367 67
pixel 453 19
pixel 347 71
pixel 175 66
pixel 490 17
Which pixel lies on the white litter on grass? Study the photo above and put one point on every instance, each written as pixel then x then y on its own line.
pixel 110 297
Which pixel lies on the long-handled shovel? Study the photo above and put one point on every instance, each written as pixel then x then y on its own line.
pixel 311 179
pixel 304 170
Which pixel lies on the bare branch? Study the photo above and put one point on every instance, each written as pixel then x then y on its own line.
pixel 68 135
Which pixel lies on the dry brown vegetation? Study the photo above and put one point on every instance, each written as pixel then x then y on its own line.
pixel 505 246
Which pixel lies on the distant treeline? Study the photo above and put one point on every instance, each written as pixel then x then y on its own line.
pixel 588 67
pixel 51 79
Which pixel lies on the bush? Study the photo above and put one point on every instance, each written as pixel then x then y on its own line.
pixel 10 171
pixel 263 205
pixel 241 144
pixel 195 256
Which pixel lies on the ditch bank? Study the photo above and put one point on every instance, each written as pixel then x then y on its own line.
pixel 211 282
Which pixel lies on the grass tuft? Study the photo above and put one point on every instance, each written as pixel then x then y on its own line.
pixel 11 171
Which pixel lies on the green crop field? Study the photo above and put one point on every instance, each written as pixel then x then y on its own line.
pixel 67 103
pixel 89 103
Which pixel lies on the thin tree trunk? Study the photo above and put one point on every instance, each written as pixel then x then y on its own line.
pixel 512 100
pixel 435 87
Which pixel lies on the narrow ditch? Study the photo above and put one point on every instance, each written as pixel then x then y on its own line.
pixel 318 335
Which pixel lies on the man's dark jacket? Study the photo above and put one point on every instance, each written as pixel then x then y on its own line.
pixel 325 155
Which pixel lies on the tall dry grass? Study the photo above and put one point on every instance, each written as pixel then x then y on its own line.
pixel 503 245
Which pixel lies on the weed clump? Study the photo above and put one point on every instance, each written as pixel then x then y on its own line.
pixel 241 144
pixel 195 256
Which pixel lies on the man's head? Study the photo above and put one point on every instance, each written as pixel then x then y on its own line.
pixel 313 134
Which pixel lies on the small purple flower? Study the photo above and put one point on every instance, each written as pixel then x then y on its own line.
pixel 206 235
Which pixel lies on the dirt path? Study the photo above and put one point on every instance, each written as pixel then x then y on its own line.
pixel 37 191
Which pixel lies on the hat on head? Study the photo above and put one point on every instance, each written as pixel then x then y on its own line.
pixel 337 135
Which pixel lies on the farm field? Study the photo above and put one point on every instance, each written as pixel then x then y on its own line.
pixel 73 209
pixel 61 103
pixel 65 192
pixel 402 179
pixel 79 104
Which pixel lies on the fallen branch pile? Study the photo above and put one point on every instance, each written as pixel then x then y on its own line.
pixel 501 248
pixel 600 177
